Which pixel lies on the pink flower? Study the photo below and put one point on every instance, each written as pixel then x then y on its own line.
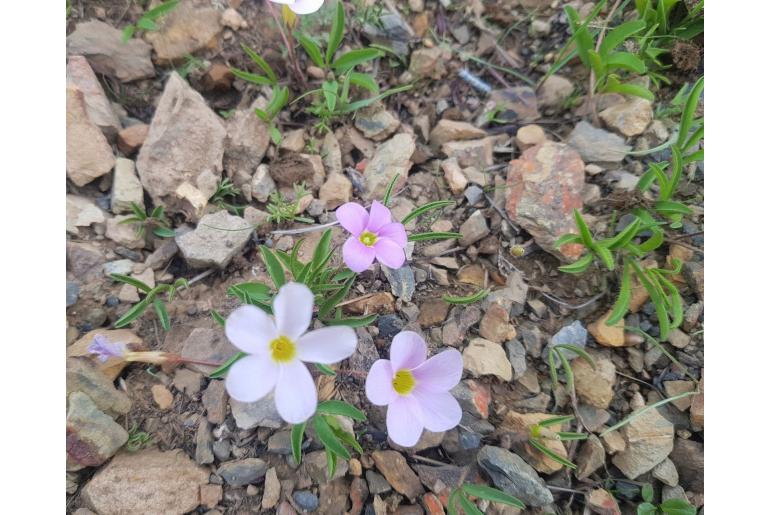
pixel 416 391
pixel 374 234
pixel 277 348
pixel 301 6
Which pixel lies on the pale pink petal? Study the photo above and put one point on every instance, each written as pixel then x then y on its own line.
pixel 395 232
pixel 295 395
pixel 404 421
pixel 356 255
pixel 250 329
pixel 327 345
pixel 389 253
pixel 293 309
pixel 379 383
pixel 407 351
pixel 441 411
pixel 353 217
pixel 251 378
pixel 306 6
pixel 379 217
pixel 440 373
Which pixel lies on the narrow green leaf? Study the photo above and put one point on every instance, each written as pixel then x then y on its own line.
pixel 128 32
pixel 468 507
pixel 337 32
pixel 430 206
pixel 261 63
pixel 160 10
pixel 347 439
pixel 278 101
pixel 645 409
pixel 250 292
pixel 164 232
pixel 162 313
pixel 620 308
pixel 130 280
pixel 625 61
pixel 548 452
pixel 331 463
pixel 135 312
pixel 567 238
pixel 579 266
pixel 274 268
pixel 688 113
pixel 468 299
pixel 251 77
pixel 621 239
pixel 629 89
pixel 355 57
pixel 567 436
pixel 364 80
pixel 451 504
pixel 657 299
pixel 569 376
pixel 606 256
pixel 328 305
pixel 224 367
pixel 583 40
pixel 219 319
pixel 389 191
pixel 619 34
pixel 312 49
pixel 647 492
pixel 334 407
pixel 329 89
pixel 562 419
pixel 352 321
pixel 325 369
pixel 667 207
pixel 297 432
pixel 321 253
pixel 600 69
pixel 146 24
pixel 677 507
pixel 355 106
pixel 327 437
pixel 577 350
pixel 585 232
pixel 422 236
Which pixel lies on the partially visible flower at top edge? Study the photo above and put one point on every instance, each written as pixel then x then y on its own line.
pixel 415 390
pixel 105 349
pixel 301 6
pixel 374 235
pixel 277 349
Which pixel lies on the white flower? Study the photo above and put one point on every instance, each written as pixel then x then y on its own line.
pixel 301 6
pixel 277 348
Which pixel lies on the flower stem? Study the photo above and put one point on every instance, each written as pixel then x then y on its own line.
pixel 289 45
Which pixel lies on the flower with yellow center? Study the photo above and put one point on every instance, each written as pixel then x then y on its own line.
pixel 276 349
pixel 368 238
pixel 403 382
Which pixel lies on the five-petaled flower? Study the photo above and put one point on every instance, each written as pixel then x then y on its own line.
pixel 415 390
pixel 374 234
pixel 301 6
pixel 277 348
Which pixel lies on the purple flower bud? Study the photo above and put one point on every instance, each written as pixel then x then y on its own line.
pixel 104 349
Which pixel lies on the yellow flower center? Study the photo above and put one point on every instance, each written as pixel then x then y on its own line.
pixel 283 349
pixel 368 238
pixel 404 382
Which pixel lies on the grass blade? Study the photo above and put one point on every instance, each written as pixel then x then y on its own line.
pixel 224 367
pixel 646 409
pixel 274 268
pixel 430 206
pixel 297 432
pixel 548 452
pixel 327 437
pixel 469 299
pixel 334 407
pixel 423 236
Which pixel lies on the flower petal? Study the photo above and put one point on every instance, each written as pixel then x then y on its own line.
pixel 293 308
pixel 404 421
pixel 250 329
pixel 251 378
pixel 356 255
pixel 379 216
pixel 379 383
pixel 395 232
pixel 441 411
pixel 306 6
pixel 440 373
pixel 389 253
pixel 353 217
pixel 327 345
pixel 407 351
pixel 295 395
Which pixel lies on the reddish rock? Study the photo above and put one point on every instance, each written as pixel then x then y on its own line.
pixel 432 505
pixel 393 466
pixel 218 78
pixel 545 185
pixel 132 137
pixel 602 502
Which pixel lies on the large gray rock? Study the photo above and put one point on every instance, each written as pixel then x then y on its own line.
pixel 391 158
pixel 126 187
pixel 597 145
pixel 513 475
pixel 243 472
pixel 82 212
pixel 89 155
pixel 262 413
pixel 105 50
pixel 401 281
pixel 83 375
pixel 180 162
pixel 147 481
pixel 92 436
pixel 217 239
pixel 98 105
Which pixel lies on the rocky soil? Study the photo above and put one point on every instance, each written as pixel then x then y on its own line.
pixel 160 121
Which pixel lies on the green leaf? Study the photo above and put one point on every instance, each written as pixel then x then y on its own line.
pixel 567 369
pixel 622 239
pixel 619 34
pixel 297 432
pixel 274 268
pixel 312 49
pixel 224 367
pixel 162 313
pixel 579 266
pixel 337 32
pixel 585 233
pixel 364 80
pixel 430 206
pixel 164 232
pixel 389 191
pixel 251 77
pixel 468 299
pixel 567 238
pixel 146 24
pixel 646 509
pixel 629 89
pixel 275 135
pixel 553 421
pixel 250 293
pixel 135 312
pixel 567 436
pixel 647 492
pixel 354 106
pixel 657 299
pixel 362 321
pixel 677 507
pixel 694 139
pixel 328 305
pixel 321 253
pixel 676 174
pixel 548 452
pixel 160 10
pixel 334 407
pixel 261 63
pixel 219 319
pixel 130 280
pixel 327 437
pixel 583 39
pixel 645 409
pixel 468 507
pixel 451 504
pixel 355 57
pixel 620 308
pixel 688 113
pixel 577 350
pixel 625 61
pixel 348 439
pixel 422 236
pixel 667 207
pixel 325 369
pixel 596 62
pixel 128 32
pixel 329 89
pixel 331 463
pixel 606 256
pixel 279 99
